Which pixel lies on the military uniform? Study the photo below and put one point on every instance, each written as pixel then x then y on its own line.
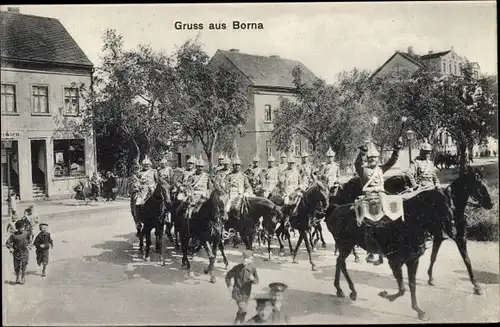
pixel 148 181
pixel 423 173
pixel 330 172
pixel 198 184
pixel 254 175
pixel 237 184
pixel 270 178
pixel 165 173
pixel 18 243
pixel 283 165
pixel 290 183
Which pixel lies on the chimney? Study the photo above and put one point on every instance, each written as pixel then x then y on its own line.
pixel 234 50
pixel 13 9
pixel 430 52
pixel 410 51
pixel 274 56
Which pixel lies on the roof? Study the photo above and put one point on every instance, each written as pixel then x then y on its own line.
pixel 434 55
pixel 268 71
pixel 38 39
pixel 408 57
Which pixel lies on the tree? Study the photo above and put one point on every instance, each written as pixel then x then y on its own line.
pixel 210 103
pixel 132 94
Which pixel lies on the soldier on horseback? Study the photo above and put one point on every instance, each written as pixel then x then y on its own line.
pixel 282 166
pixel 147 182
pixel 165 171
pixel 423 174
pixel 224 170
pixel 270 177
pixel 238 186
pixel 220 165
pixel 306 170
pixel 255 174
pixel 197 183
pixel 330 172
pixel 291 185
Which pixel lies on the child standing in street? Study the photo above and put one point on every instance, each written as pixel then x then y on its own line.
pixel 244 275
pixel 42 243
pixel 18 244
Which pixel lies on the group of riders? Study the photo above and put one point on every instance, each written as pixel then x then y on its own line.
pixel 285 179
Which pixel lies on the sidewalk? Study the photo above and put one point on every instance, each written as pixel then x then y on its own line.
pixel 48 209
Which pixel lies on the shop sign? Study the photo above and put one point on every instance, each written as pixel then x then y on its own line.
pixel 10 135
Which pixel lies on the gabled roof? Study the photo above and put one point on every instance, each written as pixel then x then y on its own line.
pixel 38 39
pixel 434 55
pixel 402 54
pixel 267 71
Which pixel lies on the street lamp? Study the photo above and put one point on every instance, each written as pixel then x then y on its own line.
pixel 409 136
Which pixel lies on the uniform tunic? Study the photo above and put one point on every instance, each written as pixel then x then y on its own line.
pixel 199 185
pixel 375 176
pixel 290 181
pixel 148 180
pixel 424 173
pixel 42 254
pixel 237 184
pixel 165 174
pixel 306 172
pixel 242 286
pixel 330 174
pixel 270 179
pixel 19 242
pixel 255 177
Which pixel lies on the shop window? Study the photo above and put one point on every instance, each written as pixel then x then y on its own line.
pixel 267 113
pixel 40 99
pixel 69 158
pixel 8 98
pixel 71 101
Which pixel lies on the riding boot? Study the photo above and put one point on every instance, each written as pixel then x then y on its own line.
pixel 43 271
pixel 369 258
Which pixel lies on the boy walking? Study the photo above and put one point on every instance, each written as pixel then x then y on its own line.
pixel 244 275
pixel 18 244
pixel 42 243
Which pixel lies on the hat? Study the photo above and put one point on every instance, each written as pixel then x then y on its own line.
pixel 291 158
pixel 263 299
pixel 44 224
pixel 256 159
pixel 236 161
pixel 330 152
pixel 19 224
pixel 146 161
pixel 226 161
pixel 192 160
pixel 425 146
pixel 372 150
pixel 28 209
pixel 163 161
pixel 221 156
pixel 283 155
pixel 278 287
pixel 305 154
pixel 247 254
pixel 270 158
pixel 200 162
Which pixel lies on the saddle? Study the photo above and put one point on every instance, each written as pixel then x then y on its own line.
pixel 374 208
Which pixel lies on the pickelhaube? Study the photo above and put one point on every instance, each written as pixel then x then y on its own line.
pixel 372 150
pixel 291 158
pixel 200 162
pixel 146 161
pixel 192 160
pixel 271 158
pixel 221 156
pixel 163 161
pixel 256 159
pixel 236 161
pixel 283 155
pixel 305 154
pixel 226 161
pixel 330 152
pixel 425 146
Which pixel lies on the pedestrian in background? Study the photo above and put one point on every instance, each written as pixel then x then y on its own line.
pixel 244 276
pixel 19 245
pixel 95 186
pixel 42 243
pixel 11 200
pixel 109 187
pixel 28 222
pixel 11 225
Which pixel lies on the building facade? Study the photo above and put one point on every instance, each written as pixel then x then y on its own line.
pixel 44 153
pixel 266 79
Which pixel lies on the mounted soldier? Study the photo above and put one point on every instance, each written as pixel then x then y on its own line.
pixel 220 164
pixel 254 174
pixel 282 166
pixel 291 184
pixel 330 171
pixel 270 177
pixel 147 182
pixel 197 184
pixel 224 170
pixel 306 170
pixel 423 174
pixel 237 185
pixel 165 171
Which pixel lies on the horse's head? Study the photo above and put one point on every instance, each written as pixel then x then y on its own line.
pixel 162 191
pixel 478 190
pixel 317 195
pixel 218 198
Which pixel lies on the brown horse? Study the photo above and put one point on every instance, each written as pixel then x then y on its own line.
pixel 403 242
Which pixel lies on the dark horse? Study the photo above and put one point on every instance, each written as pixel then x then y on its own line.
pixel 403 241
pixel 151 216
pixel 246 220
pixel 314 202
pixel 206 226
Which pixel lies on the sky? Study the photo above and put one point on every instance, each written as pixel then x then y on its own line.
pixel 326 37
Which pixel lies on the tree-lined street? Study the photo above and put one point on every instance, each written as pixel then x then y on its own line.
pixel 97 276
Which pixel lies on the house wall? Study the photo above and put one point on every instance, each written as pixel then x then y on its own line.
pixel 26 125
pixel 397 63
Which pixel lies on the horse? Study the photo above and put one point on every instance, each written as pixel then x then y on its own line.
pixel 314 201
pixel 247 219
pixel 151 216
pixel 206 225
pixel 403 242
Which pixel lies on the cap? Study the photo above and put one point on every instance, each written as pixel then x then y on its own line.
pixel 30 208
pixel 247 254
pixel 263 299
pixel 278 287
pixel 330 153
pixel 44 224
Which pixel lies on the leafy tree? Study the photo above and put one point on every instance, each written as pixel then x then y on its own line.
pixel 210 104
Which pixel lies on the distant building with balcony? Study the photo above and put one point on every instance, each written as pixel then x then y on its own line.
pixel 266 79
pixel 41 69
